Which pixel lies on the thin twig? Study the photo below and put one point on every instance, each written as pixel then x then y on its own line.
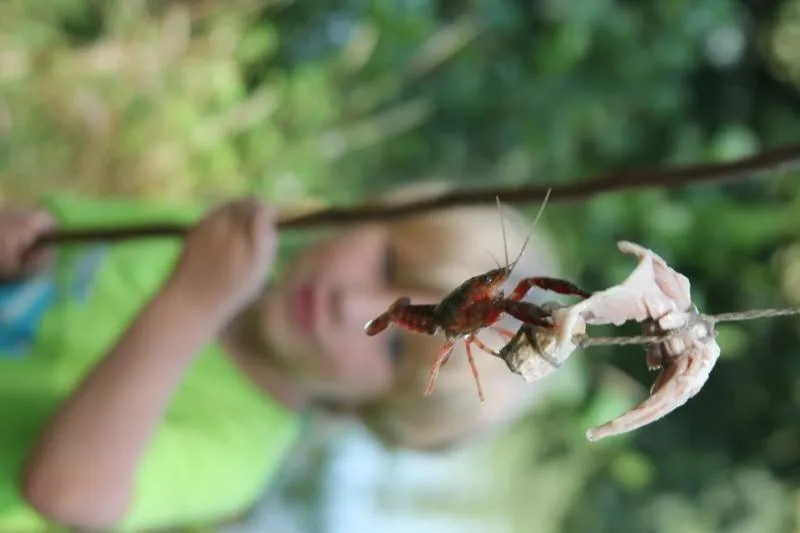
pixel 780 158
pixel 754 314
pixel 584 341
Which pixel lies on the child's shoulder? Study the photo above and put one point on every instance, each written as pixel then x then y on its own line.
pixel 74 210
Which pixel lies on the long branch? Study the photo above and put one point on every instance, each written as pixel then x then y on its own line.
pixel 667 178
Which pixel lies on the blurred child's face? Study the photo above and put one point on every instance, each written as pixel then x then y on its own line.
pixel 314 316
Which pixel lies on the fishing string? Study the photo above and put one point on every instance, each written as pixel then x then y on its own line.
pixel 585 341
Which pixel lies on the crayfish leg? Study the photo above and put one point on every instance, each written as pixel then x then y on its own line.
pixel 473 366
pixel 504 332
pixel 482 346
pixel 444 354
pixel 527 312
pixel 559 286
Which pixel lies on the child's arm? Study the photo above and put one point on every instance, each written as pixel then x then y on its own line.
pixel 83 470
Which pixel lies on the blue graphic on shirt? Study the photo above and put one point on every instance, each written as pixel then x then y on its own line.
pixel 25 303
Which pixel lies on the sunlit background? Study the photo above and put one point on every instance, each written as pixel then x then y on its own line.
pixel 308 103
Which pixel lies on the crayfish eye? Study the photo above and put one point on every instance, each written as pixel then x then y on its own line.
pixel 492 277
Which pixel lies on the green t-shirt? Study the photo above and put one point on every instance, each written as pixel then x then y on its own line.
pixel 221 439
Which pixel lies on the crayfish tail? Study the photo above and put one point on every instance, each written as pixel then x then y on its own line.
pixel 418 318
pixel 384 320
pixel 377 325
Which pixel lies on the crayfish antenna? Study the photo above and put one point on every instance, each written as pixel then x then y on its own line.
pixel 512 266
pixel 496 262
pixel 503 229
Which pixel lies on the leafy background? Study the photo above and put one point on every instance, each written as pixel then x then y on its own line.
pixel 326 101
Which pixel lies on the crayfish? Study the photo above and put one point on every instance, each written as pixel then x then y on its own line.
pixel 476 304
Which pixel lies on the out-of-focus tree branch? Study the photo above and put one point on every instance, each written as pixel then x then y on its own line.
pixel 667 178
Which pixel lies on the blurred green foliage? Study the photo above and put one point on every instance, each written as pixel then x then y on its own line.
pixel 334 99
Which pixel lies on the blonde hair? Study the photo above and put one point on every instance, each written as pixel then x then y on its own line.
pixel 436 252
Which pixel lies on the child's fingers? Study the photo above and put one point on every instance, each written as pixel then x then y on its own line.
pixel 28 256
pixel 9 260
pixel 264 222
pixel 35 259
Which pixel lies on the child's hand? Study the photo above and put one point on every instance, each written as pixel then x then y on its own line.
pixel 228 255
pixel 19 229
